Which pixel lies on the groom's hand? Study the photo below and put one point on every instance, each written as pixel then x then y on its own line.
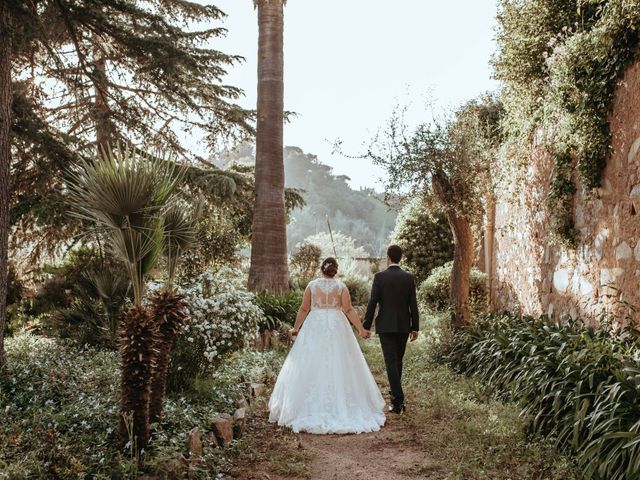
pixel 365 334
pixel 414 335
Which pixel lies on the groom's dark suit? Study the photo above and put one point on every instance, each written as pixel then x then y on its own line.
pixel 394 291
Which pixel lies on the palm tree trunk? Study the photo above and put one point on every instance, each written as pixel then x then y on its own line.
pixel 138 338
pixel 269 269
pixel 6 99
pixel 169 311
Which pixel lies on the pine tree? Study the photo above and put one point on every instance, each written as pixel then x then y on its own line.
pixel 76 73
pixel 116 71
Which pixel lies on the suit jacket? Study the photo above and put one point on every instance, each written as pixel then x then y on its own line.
pixel 394 290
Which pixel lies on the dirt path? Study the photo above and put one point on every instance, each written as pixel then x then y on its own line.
pixel 392 453
pixel 389 454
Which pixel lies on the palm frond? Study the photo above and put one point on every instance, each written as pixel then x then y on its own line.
pixel 125 194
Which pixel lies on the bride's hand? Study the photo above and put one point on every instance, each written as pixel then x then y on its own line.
pixel 365 333
pixel 293 332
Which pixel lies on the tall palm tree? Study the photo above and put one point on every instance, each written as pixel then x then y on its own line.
pixel 6 100
pixel 269 270
pixel 127 195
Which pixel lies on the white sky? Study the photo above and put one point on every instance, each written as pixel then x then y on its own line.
pixel 348 62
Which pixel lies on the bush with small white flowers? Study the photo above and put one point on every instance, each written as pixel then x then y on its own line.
pixel 223 318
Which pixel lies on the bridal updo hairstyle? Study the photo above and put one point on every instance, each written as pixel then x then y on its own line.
pixel 329 267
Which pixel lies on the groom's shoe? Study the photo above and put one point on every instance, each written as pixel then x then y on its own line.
pixel 397 409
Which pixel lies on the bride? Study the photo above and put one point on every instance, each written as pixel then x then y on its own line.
pixel 325 385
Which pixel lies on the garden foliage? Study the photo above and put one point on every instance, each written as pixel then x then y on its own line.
pixel 434 292
pixel 578 386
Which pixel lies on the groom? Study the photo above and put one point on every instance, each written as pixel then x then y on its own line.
pixel 394 290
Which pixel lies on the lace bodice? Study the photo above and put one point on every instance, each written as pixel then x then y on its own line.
pixel 326 293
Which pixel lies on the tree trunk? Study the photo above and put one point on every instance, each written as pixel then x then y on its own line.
pixel 6 99
pixel 462 262
pixel 138 338
pixel 463 253
pixel 101 113
pixel 269 269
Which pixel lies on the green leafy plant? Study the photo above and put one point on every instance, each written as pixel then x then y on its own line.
pixel 278 309
pixel 128 197
pixel 579 386
pixel 433 293
pixel 305 262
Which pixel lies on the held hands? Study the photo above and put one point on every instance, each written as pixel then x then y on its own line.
pixel 365 333
pixel 293 332
pixel 413 336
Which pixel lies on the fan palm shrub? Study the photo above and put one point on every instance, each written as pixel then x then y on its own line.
pixel 126 195
pixel 168 307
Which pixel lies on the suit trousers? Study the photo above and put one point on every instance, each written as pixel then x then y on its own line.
pixel 393 348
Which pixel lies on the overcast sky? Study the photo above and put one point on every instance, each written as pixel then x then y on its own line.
pixel 348 62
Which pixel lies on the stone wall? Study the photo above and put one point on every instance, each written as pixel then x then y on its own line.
pixel 531 272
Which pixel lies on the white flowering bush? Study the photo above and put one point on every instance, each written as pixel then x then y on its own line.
pixel 223 317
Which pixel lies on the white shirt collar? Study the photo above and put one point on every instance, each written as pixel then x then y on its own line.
pixel 393 265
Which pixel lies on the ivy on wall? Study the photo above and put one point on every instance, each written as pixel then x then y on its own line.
pixel 561 61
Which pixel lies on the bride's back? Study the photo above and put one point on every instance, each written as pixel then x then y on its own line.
pixel 326 293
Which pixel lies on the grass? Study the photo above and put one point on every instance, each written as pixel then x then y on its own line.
pixel 58 410
pixel 464 432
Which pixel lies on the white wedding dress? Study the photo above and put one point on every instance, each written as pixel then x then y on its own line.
pixel 325 385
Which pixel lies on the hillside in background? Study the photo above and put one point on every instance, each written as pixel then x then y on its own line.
pixel 360 214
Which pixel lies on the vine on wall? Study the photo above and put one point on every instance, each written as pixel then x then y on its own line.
pixel 561 61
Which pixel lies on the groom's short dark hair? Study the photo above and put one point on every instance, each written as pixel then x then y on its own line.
pixel 394 252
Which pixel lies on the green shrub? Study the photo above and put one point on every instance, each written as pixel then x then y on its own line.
pixel 579 386
pixel 425 237
pixel 93 317
pixel 305 263
pixel 359 290
pixel 433 293
pixel 278 309
pixel 357 283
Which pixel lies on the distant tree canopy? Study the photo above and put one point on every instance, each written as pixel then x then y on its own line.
pixel 359 214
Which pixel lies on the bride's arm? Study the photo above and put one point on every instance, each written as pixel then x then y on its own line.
pixel 303 311
pixel 350 312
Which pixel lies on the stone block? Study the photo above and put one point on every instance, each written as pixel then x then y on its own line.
pixel 257 389
pixel 633 151
pixel 239 422
pixel 222 427
pixel 609 276
pixel 585 286
pixel 623 251
pixel 194 444
pixel 561 280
